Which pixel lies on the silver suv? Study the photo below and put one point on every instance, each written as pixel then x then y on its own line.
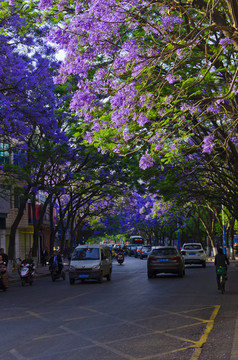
pixel 90 262
pixel 193 253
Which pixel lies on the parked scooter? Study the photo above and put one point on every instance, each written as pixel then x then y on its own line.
pixel 56 273
pixel 120 258
pixel 27 273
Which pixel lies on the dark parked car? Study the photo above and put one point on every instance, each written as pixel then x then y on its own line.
pixel 145 251
pixel 165 259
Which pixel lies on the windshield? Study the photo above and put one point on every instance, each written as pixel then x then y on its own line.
pixel 164 252
pixel 192 247
pixel 86 254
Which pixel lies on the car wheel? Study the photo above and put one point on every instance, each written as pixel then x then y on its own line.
pixel 109 276
pixel 100 278
pixel 181 273
pixel 149 274
pixel 204 264
pixel 71 281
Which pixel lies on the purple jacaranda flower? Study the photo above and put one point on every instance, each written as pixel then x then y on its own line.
pixel 207 145
pixel 158 147
pixel 234 139
pixel 146 161
pixel 126 135
pixel 45 4
pixel 214 108
pixel 96 126
pixel 142 120
pixel 88 137
pixel 171 78
pixel 168 99
pixel 224 42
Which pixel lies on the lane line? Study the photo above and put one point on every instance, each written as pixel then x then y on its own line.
pixel 70 298
pixel 17 355
pixel 204 337
pixel 37 316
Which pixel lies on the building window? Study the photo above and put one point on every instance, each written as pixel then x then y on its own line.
pixel 4 153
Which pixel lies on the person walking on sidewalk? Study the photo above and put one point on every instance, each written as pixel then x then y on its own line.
pixel 3 275
pixel 44 257
pixel 4 257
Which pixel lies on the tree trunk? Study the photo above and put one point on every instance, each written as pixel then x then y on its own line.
pixel 11 247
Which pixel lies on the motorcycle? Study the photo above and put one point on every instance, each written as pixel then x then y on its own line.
pixel 27 273
pixel 55 273
pixel 120 258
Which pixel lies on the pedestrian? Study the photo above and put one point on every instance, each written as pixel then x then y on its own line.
pixel 30 253
pixel 4 256
pixel 44 256
pixel 3 274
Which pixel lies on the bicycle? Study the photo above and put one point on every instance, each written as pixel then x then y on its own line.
pixel 222 273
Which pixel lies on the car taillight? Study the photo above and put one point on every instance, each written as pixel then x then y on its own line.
pixel 200 251
pixel 152 258
pixel 177 258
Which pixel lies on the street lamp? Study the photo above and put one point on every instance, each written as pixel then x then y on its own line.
pixel 224 230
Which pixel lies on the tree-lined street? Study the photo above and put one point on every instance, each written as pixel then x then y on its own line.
pixel 131 317
pixel 131 131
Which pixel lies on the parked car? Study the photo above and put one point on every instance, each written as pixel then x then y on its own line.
pixel 165 259
pixel 193 253
pixel 146 249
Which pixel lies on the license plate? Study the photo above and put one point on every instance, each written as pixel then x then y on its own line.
pixel 83 276
pixel 192 253
pixel 163 260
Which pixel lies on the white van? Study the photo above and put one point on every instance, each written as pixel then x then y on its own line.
pixel 90 262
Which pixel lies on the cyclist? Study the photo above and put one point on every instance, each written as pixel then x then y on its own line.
pixel 220 260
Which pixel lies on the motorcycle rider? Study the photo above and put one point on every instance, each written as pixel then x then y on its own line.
pixel 120 252
pixel 57 260
pixel 220 260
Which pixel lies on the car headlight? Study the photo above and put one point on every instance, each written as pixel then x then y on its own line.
pixel 96 267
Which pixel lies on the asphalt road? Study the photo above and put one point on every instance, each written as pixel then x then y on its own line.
pixel 130 317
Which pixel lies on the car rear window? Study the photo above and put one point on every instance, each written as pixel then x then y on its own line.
pixel 164 252
pixel 192 247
